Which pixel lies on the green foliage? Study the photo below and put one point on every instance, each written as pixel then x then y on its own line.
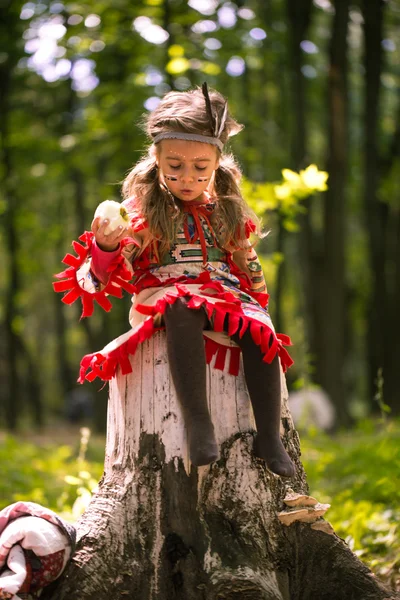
pixel 357 472
pixel 285 196
pixel 58 477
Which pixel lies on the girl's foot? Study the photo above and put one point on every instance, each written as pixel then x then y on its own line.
pixel 203 447
pixel 277 459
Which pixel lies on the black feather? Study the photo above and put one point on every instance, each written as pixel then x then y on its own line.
pixel 204 89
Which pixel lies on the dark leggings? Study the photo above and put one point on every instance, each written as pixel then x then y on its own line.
pixel 186 355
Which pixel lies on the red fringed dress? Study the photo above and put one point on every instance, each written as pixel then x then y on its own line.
pixel 196 268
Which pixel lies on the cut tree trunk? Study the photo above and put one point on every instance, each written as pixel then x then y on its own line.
pixel 161 529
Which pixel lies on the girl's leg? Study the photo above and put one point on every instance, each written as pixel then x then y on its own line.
pixel 264 385
pixel 187 360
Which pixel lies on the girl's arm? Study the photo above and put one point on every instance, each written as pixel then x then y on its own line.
pixel 105 248
pixel 93 274
pixel 101 260
pixel 101 268
pixel 246 260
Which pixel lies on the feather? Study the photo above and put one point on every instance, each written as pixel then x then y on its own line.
pixel 215 124
pixel 223 119
pixel 204 89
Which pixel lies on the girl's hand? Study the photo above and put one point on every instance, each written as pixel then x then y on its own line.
pixel 109 242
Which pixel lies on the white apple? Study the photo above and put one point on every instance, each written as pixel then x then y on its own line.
pixel 114 212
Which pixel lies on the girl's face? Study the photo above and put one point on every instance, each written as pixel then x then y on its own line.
pixel 186 167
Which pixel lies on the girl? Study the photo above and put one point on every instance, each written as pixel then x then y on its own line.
pixel 195 272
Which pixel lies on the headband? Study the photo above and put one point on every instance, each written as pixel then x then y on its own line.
pixel 192 137
pixel 216 127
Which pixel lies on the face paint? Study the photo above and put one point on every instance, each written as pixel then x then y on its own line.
pixel 173 178
pixel 199 157
pixel 194 163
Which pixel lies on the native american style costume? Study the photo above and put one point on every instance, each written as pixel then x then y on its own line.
pixel 196 268
pixel 35 546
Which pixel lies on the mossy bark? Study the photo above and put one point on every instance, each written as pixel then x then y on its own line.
pixel 160 529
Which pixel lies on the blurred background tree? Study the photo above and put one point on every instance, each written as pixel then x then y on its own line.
pixel 314 82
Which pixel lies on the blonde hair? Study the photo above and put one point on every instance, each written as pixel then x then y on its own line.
pixel 185 112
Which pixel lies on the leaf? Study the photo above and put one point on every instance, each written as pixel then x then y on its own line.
pixel 176 66
pixel 210 68
pixel 314 179
pixel 72 480
pixel 292 177
pixel 283 191
pixel 176 51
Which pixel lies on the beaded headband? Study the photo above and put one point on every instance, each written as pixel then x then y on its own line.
pixel 192 137
pixel 215 127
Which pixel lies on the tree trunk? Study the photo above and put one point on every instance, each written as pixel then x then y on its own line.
pixel 376 212
pixel 298 18
pixel 333 334
pixel 78 180
pixel 33 391
pixel 167 22
pixel 64 372
pixel 388 169
pixel 9 32
pixel 160 529
pixel 310 252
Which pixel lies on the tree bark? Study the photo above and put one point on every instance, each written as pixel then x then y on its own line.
pixel 376 212
pixel 167 22
pixel 310 252
pixel 299 16
pixel 388 169
pixel 333 334
pixel 9 33
pixel 160 529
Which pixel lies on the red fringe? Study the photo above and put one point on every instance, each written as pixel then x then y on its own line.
pixel 105 366
pixel 119 278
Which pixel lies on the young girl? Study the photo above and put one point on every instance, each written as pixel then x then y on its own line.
pixel 195 272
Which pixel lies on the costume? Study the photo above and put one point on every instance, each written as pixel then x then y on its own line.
pixel 195 267
pixel 35 546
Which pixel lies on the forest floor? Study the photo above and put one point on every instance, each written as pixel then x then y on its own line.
pixel 356 471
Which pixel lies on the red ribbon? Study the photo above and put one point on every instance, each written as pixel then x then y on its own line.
pixel 195 210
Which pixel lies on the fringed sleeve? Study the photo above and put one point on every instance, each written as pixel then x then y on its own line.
pixel 80 281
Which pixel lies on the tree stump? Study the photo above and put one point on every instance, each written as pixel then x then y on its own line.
pixel 160 529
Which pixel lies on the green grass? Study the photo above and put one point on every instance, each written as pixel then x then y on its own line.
pixel 61 477
pixel 357 472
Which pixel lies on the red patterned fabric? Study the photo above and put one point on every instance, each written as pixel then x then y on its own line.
pixel 51 568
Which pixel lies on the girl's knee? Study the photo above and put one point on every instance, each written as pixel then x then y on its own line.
pixel 178 314
pixel 247 343
pixel 177 310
